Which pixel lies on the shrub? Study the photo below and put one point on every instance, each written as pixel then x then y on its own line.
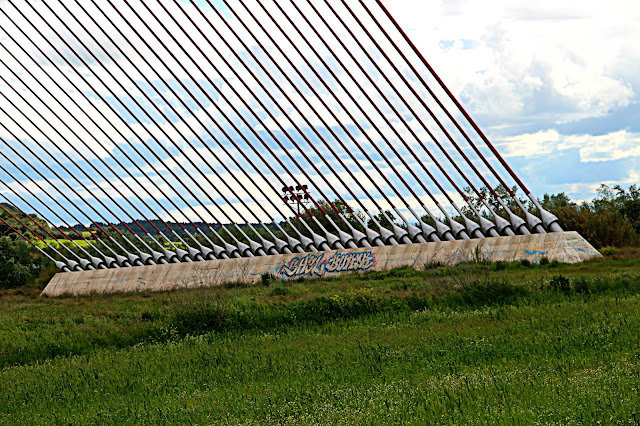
pixel 560 283
pixel 544 260
pixel 18 264
pixel 14 275
pixel 45 276
pixel 602 228
pixel 402 286
pixel 193 316
pixel 526 263
pixel 402 272
pixel 433 265
pixel 609 251
pixel 280 291
pixel 581 285
pixel 151 315
pixel 499 266
pixel 486 294
pixel 267 278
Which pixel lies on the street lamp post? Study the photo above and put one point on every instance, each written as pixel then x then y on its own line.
pixel 303 198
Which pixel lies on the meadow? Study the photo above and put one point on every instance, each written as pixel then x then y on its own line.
pixel 508 343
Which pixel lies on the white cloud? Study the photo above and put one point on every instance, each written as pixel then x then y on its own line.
pixel 550 60
pixel 530 144
pixel 611 146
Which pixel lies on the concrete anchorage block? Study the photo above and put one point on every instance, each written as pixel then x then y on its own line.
pixel 567 247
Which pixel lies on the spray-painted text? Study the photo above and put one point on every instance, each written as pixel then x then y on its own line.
pixel 318 265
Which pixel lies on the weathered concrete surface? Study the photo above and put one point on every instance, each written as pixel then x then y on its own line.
pixel 568 247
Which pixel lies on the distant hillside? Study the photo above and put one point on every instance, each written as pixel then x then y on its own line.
pixel 26 219
pixel 150 229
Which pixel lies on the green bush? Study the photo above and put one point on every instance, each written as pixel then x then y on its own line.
pixel 486 294
pixel 499 266
pixel 560 283
pixel 280 291
pixel 18 264
pixel 581 286
pixel 609 251
pixel 267 278
pixel 602 229
pixel 611 219
pixel 433 265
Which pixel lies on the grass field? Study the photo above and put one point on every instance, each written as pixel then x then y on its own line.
pixel 499 343
pixel 56 243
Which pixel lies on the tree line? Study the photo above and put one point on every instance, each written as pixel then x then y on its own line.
pixel 611 219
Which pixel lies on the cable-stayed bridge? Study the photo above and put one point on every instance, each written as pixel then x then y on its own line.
pixel 236 128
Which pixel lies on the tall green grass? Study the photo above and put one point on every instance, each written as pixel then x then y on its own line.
pixel 59 330
pixel 564 362
pixel 473 344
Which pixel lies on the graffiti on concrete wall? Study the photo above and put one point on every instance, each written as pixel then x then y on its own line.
pixel 585 248
pixel 502 254
pixel 320 264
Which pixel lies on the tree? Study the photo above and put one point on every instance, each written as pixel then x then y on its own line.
pixel 602 229
pixel 491 199
pixel 631 206
pixel 19 264
pixel 554 202
pixel 611 219
pixel 382 219
pixel 627 202
pixel 429 221
pixel 343 209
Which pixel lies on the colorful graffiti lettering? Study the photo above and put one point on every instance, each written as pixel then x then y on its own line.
pixel 495 255
pixel 317 265
pixel 587 249
pixel 533 253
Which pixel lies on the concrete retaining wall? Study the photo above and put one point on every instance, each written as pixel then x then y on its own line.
pixel 568 247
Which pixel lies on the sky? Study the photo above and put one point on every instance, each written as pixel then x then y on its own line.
pixel 554 85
